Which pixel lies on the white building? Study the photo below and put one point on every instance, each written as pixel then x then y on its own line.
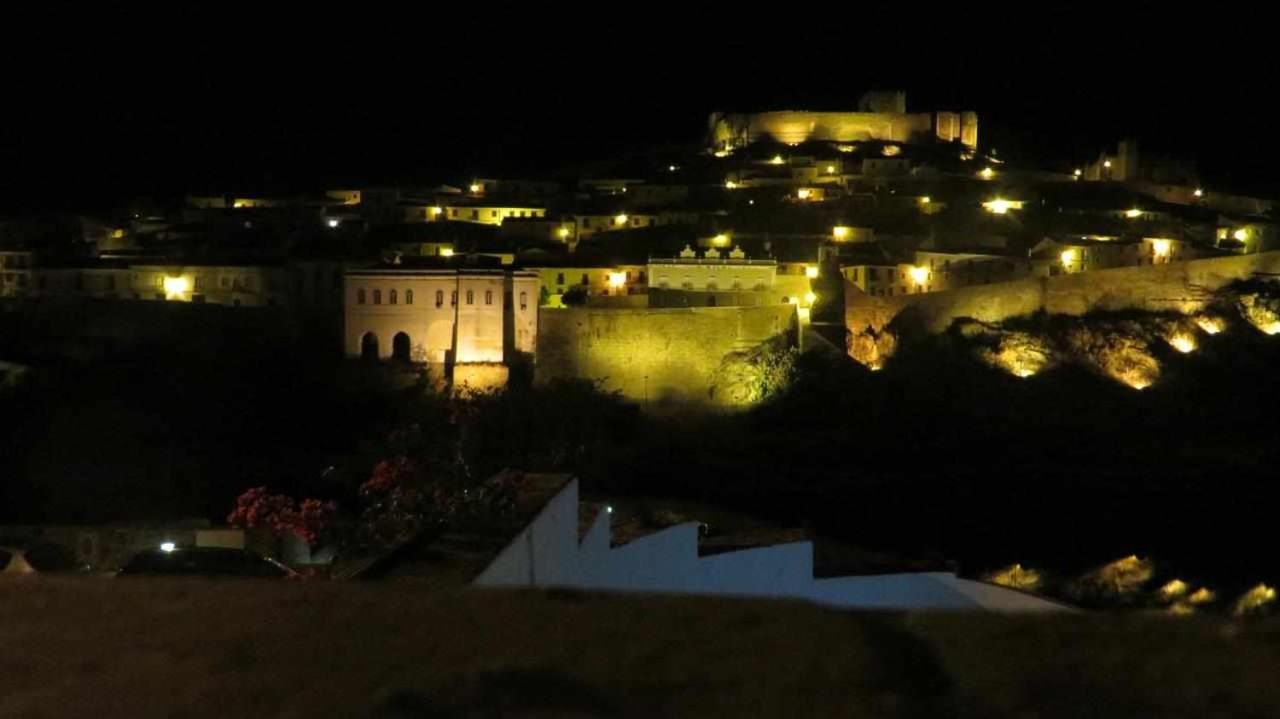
pixel 552 552
pixel 450 315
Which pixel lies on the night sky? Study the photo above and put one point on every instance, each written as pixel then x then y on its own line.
pixel 141 105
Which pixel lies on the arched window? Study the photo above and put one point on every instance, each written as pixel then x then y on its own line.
pixel 439 298
pixel 408 297
pixel 471 297
pixel 488 297
pixel 524 300
pixel 391 297
pixel 453 298
pixel 360 296
pixel 377 297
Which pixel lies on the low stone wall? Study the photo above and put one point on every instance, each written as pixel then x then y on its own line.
pixel 479 377
pixel 1179 286
pixel 657 356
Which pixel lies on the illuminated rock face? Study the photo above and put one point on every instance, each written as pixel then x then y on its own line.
pixel 1019 353
pixel 1261 312
pixel 871 348
pixel 1117 354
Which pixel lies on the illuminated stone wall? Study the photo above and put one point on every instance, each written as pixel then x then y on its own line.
pixel 666 357
pixel 793 126
pixel 1177 286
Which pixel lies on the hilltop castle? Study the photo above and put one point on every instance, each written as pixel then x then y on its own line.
pixel 880 116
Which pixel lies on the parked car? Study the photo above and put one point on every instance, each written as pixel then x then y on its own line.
pixel 37 558
pixel 209 562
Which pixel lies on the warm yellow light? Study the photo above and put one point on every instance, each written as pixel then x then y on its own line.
pixel 997 206
pixel 730 185
pixel 987 173
pixel 840 232
pixel 1199 192
pixel 238 204
pixel 1271 329
pixel 1254 599
pixel 720 240
pixel 1068 257
pixel 1015 576
pixel 671 168
pixel 721 153
pixel 436 210
pixel 831 169
pixel 475 187
pixel 919 275
pixel 1184 343
pixel 811 272
pixel 562 233
pixel 620 219
pixel 1203 595
pixel 810 298
pixel 804 193
pixel 777 160
pixel 1240 235
pixel 891 150
pixel 845 148
pixel 793 300
pixel 176 286
pixel 925 200
pixel 1133 213
pixel 1211 325
pixel 617 279
pixel 1106 163
pixel 1078 172
pixel 446 252
pixel 1161 248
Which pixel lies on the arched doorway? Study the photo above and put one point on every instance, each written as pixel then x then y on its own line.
pixel 369 346
pixel 400 347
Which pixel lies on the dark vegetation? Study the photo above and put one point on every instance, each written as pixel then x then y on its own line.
pixel 936 456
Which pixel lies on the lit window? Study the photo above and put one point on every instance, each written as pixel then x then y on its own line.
pixel 359 293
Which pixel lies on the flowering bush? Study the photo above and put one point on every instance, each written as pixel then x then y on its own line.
pixel 257 508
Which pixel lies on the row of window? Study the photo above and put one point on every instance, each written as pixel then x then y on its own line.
pixel 393 297
pixel 688 285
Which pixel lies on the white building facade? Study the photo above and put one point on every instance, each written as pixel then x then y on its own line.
pixel 440 316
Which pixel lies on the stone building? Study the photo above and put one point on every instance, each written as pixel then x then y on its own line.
pixel 444 313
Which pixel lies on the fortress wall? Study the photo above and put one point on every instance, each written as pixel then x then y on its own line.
pixel 666 356
pixel 1177 286
pixel 794 126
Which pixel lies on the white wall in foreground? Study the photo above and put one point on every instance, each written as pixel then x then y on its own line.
pixel 547 553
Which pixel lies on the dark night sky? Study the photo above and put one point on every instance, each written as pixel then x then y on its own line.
pixel 140 106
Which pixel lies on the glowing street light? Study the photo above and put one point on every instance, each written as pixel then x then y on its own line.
pixel 1078 173
pixel 919 275
pixel 333 222
pixel 840 232
pixel 804 193
pixel 175 287
pixel 620 219
pixel 563 233
pixel 998 206
pixel 617 279
pixel 1133 213
pixel 831 169
pixel 475 188
pixel 720 240
pixel 167 547
pixel 1069 257
pixel 811 272
pixel 1161 248
pixel 777 160
pixel 1199 192
pixel 987 173
pixel 446 252
pixel 810 298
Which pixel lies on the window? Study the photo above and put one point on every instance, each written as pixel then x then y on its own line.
pixel 391 297
pixel 560 278
pixel 585 281
pixel 488 297
pixel 377 297
pixel 471 297
pixel 453 212
pixel 475 214
pixel 439 298
pixel 408 297
pixel 359 295
pixel 524 300
pixel 493 213
pixel 199 283
pixel 453 298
